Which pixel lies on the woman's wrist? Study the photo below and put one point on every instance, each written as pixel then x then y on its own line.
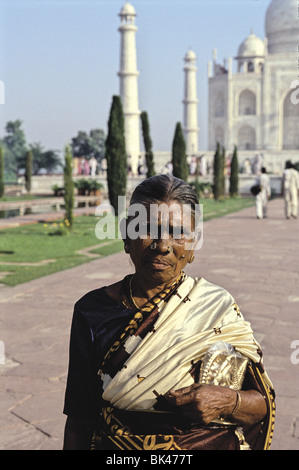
pixel 232 403
pixel 237 404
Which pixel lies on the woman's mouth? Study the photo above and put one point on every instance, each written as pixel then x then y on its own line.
pixel 158 264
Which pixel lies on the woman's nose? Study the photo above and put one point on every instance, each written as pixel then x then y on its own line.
pixel 164 245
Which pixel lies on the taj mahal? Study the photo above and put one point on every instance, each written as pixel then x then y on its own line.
pixel 252 97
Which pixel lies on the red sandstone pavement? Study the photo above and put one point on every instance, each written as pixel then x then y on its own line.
pixel 44 217
pixel 256 260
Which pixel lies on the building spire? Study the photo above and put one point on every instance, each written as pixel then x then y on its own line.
pixel 190 103
pixel 128 83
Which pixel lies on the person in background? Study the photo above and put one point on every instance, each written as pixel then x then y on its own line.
pixel 290 188
pixel 262 198
pixel 93 166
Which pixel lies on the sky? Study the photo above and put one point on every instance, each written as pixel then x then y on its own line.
pixel 59 61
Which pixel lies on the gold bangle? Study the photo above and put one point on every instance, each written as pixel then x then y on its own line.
pixel 238 403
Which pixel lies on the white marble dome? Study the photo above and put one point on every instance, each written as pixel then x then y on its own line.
pixel 190 56
pixel 282 26
pixel 252 47
pixel 128 9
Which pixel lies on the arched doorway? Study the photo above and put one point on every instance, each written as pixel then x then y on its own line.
pixel 291 122
pixel 246 138
pixel 247 103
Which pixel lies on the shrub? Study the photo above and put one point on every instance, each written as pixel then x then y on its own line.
pixel 68 186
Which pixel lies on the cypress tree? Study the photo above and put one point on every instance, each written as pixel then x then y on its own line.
pixel 116 154
pixel 234 174
pixel 179 157
pixel 1 172
pixel 28 170
pixel 222 172
pixel 217 173
pixel 68 187
pixel 149 157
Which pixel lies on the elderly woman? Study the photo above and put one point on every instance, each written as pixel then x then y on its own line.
pixel 138 372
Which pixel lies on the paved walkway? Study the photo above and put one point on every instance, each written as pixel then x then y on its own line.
pixel 257 261
pixel 50 216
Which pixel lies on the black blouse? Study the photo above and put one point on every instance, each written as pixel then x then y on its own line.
pixel 97 321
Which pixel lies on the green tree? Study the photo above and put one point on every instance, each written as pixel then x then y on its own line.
pixel 98 137
pixel 116 154
pixel 217 182
pixel 149 157
pixel 88 145
pixel 15 142
pixel 47 160
pixel 28 170
pixel 1 172
pixel 179 157
pixel 234 175
pixel 68 187
pixel 222 172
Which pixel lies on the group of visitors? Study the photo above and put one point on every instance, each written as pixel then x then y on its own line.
pixel 85 167
pixel 196 164
pixel 289 190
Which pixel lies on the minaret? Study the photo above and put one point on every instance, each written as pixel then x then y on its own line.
pixel 190 104
pixel 128 75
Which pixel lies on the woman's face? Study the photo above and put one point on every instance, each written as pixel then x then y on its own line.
pixel 171 230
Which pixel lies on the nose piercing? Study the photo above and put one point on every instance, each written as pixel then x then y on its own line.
pixel 153 246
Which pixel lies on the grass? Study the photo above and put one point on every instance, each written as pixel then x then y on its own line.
pixel 37 250
pixel 26 197
pixel 213 209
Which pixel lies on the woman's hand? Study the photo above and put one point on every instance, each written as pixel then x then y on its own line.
pixel 204 403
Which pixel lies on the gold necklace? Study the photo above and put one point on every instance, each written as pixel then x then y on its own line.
pixel 131 294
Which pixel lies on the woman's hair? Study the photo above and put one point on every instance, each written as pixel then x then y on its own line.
pixel 164 188
pixel 160 189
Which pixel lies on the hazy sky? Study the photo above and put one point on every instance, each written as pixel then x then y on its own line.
pixel 59 61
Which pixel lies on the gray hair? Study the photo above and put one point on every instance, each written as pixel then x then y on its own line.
pixel 161 189
pixel 164 188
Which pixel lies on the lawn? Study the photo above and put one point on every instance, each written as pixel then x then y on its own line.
pixel 32 251
pixel 213 209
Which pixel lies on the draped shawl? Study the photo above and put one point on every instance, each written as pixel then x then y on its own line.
pixel 163 341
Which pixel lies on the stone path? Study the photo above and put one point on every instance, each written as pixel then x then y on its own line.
pixel 257 261
pixel 50 216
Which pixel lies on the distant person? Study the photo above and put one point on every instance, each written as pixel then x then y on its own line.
pixel 75 166
pixel 290 188
pixel 80 166
pixel 169 168
pixel 103 166
pixel 258 163
pixel 129 166
pixel 93 166
pixel 141 169
pixel 247 167
pixel 86 167
pixel 203 170
pixel 262 198
pixel 227 166
pixel 193 165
